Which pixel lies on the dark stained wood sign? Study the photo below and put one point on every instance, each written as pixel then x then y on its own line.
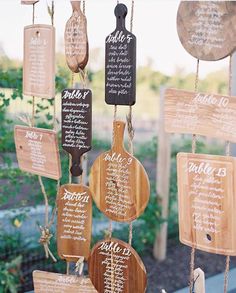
pixel 76 125
pixel 114 266
pixel 60 283
pixel 119 182
pixel 37 151
pixel 76 39
pixel 200 113
pixel 39 61
pixel 120 68
pixel 206 191
pixel 74 222
pixel 206 28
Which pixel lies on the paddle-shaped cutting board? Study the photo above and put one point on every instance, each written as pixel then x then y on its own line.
pixel 120 67
pixel 76 39
pixel 206 192
pixel 114 266
pixel 37 151
pixel 206 28
pixel 60 283
pixel 119 182
pixel 74 222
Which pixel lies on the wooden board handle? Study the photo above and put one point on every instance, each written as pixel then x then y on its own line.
pixel 75 5
pixel 120 13
pixel 118 135
pixel 76 169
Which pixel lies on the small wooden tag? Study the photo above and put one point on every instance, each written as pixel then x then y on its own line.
pixel 199 281
pixel 37 151
pixel 59 283
pixel 74 225
pixel 76 39
pixel 120 68
pixel 205 28
pixel 39 61
pixel 206 186
pixel 76 125
pixel 119 182
pixel 28 2
pixel 114 266
pixel 200 113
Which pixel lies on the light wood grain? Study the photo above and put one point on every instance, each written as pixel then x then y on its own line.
pixel 118 181
pixel 59 283
pixel 37 151
pixel 76 39
pixel 206 28
pixel 206 192
pixel 74 222
pixel 39 61
pixel 114 266
pixel 29 2
pixel 199 278
pixel 200 113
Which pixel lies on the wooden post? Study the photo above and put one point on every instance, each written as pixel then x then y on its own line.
pixel 199 281
pixel 162 181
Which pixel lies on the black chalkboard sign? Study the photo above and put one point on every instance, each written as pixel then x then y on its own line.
pixel 76 125
pixel 120 68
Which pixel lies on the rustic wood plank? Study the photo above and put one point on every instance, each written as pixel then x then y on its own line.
pixel 114 266
pixel 120 65
pixel 200 113
pixel 76 39
pixel 199 281
pixel 206 28
pixel 119 182
pixel 74 222
pixel 39 61
pixel 29 2
pixel 60 283
pixel 206 187
pixel 37 151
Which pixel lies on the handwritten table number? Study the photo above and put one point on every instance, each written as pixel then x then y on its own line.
pixel 114 266
pixel 37 151
pixel 206 190
pixel 76 125
pixel 120 67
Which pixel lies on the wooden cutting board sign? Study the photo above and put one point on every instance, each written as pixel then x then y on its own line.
pixel 206 191
pixel 118 181
pixel 60 283
pixel 76 125
pixel 200 113
pixel 206 28
pixel 120 67
pixel 39 61
pixel 114 266
pixel 74 222
pixel 76 39
pixel 37 151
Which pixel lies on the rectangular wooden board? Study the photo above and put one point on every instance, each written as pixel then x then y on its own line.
pixel 198 113
pixel 37 151
pixel 206 193
pixel 39 61
pixel 59 283
pixel 29 2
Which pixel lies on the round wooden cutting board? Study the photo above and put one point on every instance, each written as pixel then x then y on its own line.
pixel 114 266
pixel 206 29
pixel 118 181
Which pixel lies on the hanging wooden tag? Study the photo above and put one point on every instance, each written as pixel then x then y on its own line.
pixel 120 67
pixel 76 125
pixel 60 283
pixel 200 113
pixel 28 2
pixel 114 266
pixel 206 28
pixel 76 39
pixel 39 61
pixel 206 191
pixel 74 225
pixel 199 281
pixel 118 181
pixel 37 151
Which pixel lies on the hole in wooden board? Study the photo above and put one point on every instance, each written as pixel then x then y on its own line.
pixel 208 236
pixel 21 147
pixel 38 34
